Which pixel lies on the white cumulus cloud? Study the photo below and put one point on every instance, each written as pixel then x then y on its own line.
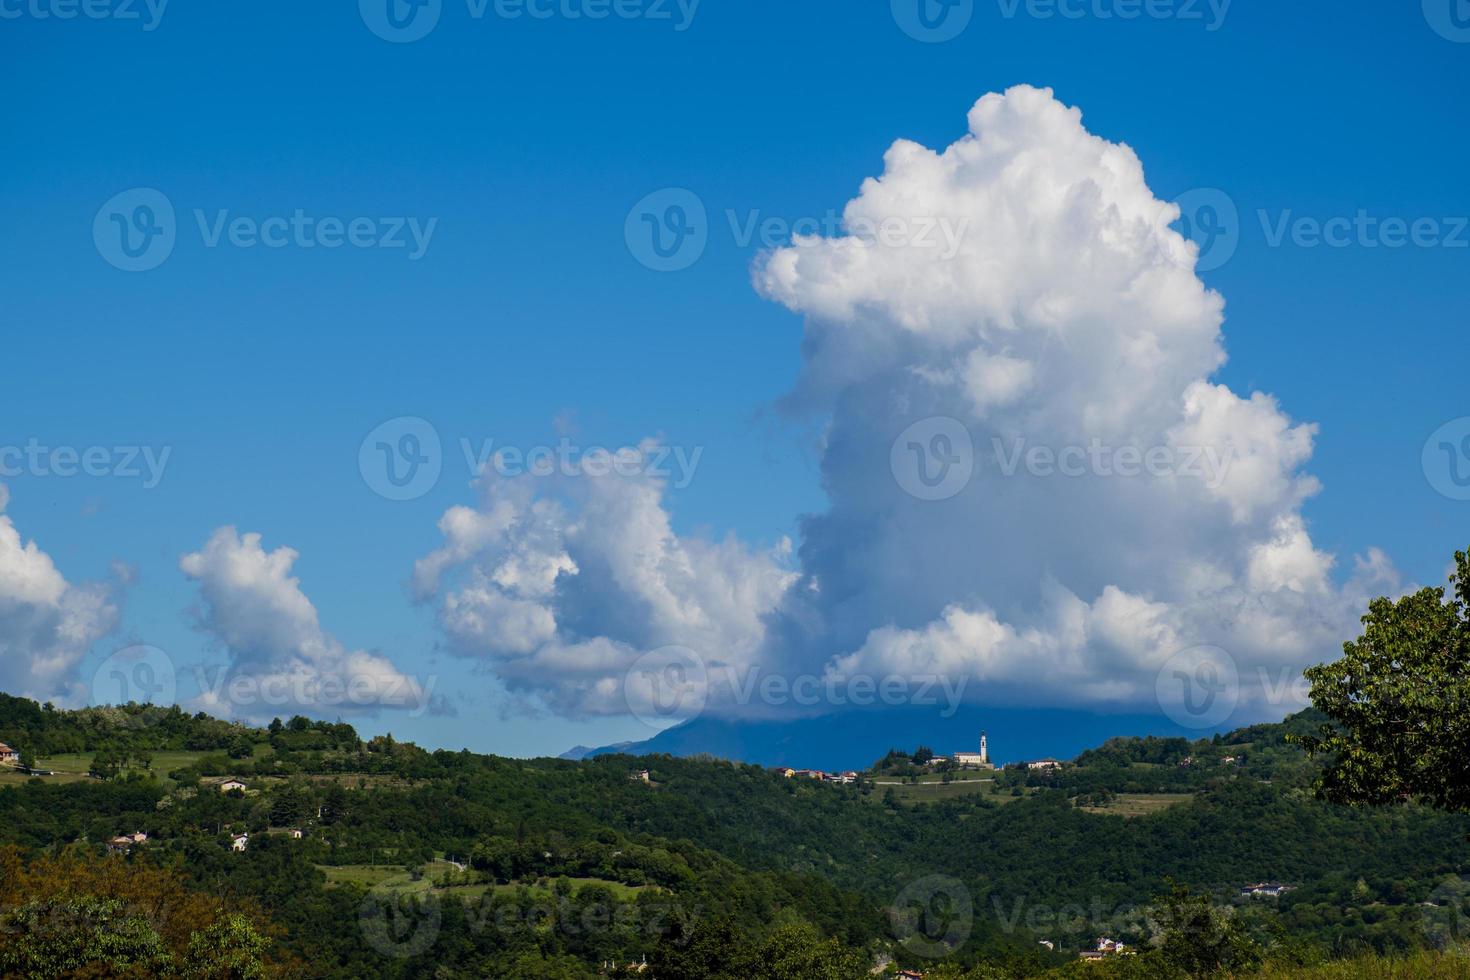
pixel 47 624
pixel 1058 314
pixel 561 582
pixel 1070 316
pixel 281 660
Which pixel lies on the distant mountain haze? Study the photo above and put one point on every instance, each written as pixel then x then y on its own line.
pixel 856 739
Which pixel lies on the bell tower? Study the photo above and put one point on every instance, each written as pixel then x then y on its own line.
pixel 984 750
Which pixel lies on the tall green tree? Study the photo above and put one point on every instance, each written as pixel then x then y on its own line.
pixel 1400 717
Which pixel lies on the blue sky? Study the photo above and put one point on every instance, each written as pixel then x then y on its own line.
pixel 528 140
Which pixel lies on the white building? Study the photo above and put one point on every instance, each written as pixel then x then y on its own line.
pixel 7 754
pixel 239 843
pixel 230 785
pixel 976 760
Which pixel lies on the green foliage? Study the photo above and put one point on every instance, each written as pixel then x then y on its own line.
pixel 1397 702
pixel 1201 939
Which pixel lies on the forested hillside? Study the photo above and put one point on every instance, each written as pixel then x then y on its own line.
pixel 336 856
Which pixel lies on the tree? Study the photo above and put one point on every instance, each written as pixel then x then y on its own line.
pixel 1200 938
pixel 230 949
pixel 105 764
pixel 1397 702
pixel 922 755
pixel 27 759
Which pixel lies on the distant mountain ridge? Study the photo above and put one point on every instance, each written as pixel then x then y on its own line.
pixel 855 739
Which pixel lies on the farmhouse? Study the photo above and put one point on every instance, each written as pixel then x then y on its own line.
pixel 1044 764
pixel 7 754
pixel 230 785
pixel 238 842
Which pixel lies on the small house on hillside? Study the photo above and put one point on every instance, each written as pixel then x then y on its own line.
pixel 231 785
pixel 238 842
pixel 1044 764
pixel 7 754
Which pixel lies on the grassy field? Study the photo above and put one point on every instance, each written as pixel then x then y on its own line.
pixel 72 767
pixel 1140 804
pixel 927 791
pixel 1452 965
pixel 396 879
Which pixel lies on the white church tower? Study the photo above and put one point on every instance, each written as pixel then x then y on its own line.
pixel 984 750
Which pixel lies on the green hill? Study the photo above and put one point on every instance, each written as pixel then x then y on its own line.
pixel 490 866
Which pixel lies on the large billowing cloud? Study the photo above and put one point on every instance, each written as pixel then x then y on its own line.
pixel 1068 322
pixel 561 582
pixel 1071 321
pixel 281 660
pixel 47 624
